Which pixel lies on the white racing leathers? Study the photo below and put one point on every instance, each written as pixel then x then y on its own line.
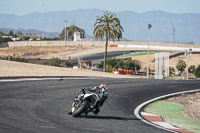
pixel 89 100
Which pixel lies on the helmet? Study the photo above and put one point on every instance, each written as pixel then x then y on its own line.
pixel 102 86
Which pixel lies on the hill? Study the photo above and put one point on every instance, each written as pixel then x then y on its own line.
pixel 31 31
pixel 135 24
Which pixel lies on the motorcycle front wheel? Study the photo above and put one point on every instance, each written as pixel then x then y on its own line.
pixel 80 109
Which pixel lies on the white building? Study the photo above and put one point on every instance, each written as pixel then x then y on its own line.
pixel 79 37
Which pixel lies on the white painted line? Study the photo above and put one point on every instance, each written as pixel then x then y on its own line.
pixel 34 79
pixel 148 114
pixel 165 125
pixel 139 107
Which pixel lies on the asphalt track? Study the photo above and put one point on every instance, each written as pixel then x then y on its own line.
pixel 42 106
pixel 100 56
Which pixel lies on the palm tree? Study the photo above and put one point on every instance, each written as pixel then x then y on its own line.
pixel 107 26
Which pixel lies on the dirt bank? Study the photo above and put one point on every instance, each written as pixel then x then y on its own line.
pixel 12 69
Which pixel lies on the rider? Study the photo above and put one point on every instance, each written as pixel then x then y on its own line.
pixel 98 90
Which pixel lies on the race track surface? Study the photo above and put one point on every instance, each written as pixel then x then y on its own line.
pixel 42 106
pixel 100 56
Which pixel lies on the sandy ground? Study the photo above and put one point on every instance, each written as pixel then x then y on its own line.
pixel 191 103
pixel 11 68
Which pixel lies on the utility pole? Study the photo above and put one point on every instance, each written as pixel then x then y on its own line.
pixel 174 35
pixel 65 30
pixel 187 53
pixel 149 27
pixel 79 63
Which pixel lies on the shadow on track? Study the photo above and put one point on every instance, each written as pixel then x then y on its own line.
pixel 108 117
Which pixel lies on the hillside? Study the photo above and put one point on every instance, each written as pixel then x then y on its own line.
pixel 134 24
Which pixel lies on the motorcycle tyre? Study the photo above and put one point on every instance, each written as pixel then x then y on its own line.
pixel 96 111
pixel 79 111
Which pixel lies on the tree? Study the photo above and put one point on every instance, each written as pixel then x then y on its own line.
pixel 11 33
pixel 191 69
pixel 1 34
pixel 54 62
pixel 171 70
pixel 131 65
pixel 113 62
pixel 19 34
pixel 107 26
pixel 25 38
pixel 2 40
pixel 197 72
pixel 181 65
pixel 71 31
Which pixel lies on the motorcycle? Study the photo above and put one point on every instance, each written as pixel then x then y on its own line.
pixel 89 100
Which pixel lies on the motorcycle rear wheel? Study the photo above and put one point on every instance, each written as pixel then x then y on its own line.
pixel 80 110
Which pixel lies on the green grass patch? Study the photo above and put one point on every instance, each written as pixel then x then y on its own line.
pixel 175 78
pixel 172 113
pixel 88 55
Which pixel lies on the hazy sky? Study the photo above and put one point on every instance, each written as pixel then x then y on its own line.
pixel 22 7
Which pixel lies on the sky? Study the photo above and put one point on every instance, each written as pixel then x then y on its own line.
pixel 22 7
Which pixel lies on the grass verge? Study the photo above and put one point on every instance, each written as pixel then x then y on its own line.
pixel 172 113
pixel 134 54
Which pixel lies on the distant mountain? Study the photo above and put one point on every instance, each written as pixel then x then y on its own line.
pixel 134 24
pixel 31 31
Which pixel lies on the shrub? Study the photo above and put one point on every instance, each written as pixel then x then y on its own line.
pixel 109 68
pixel 112 62
pixel 18 59
pixel 171 70
pixel 131 65
pixel 145 69
pixel 191 69
pixel 54 62
pixel 120 64
pixel 181 65
pixel 197 72
pixel 100 65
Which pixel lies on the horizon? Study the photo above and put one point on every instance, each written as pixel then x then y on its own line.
pixel 98 9
pixel 23 7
